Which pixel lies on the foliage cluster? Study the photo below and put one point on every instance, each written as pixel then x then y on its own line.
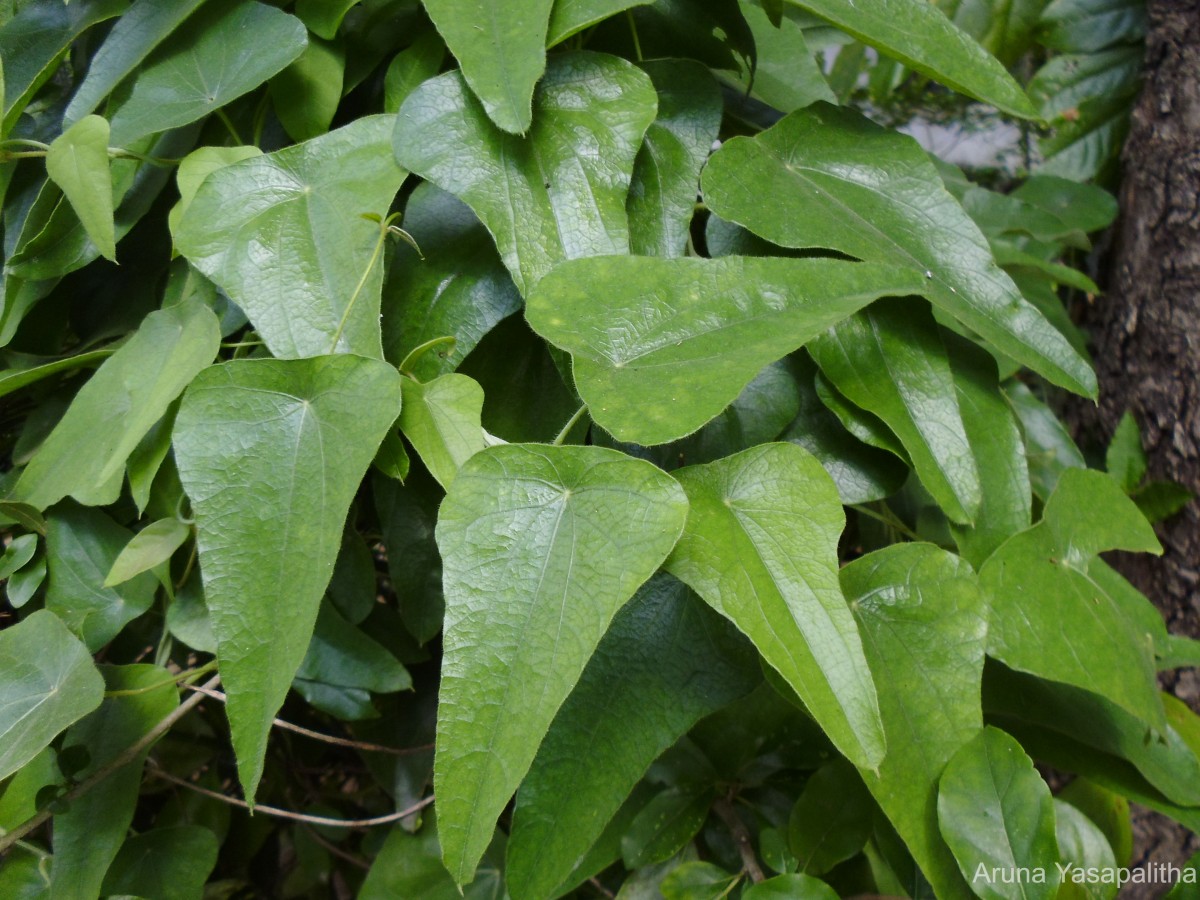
pixel 585 403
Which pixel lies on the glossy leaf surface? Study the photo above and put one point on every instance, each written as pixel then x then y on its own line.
pixel 540 546
pixel 558 193
pixel 271 453
pixel 285 236
pixel 760 547
pixel 661 346
pixel 836 180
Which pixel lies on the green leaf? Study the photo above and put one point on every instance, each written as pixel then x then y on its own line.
pixel 171 863
pixel 832 819
pixel 17 554
pixel 787 75
pixel 697 881
pixel 558 193
pixel 195 168
pixel 1087 145
pixel 77 162
pixel 1049 449
pixel 408 514
pixel 147 458
pixel 81 546
pixel 48 682
pixel 343 666
pixel 665 825
pixel 1071 79
pixel 150 547
pixel 923 622
pixel 227 50
pixel 666 174
pixel 998 449
pixel 666 661
pixel 761 547
pixel 995 812
pixel 502 50
pixel 827 177
pixel 1160 500
pixel 33 42
pixel 1165 759
pixel 918 34
pixel 90 832
pixel 303 207
pixel 790 887
pixel 306 94
pixel 660 346
pixel 85 455
pixel 418 62
pixel 135 34
pixel 1083 846
pixel 271 452
pixel 323 17
pixel 410 865
pixel 1108 811
pixel 569 17
pixel 1083 206
pixel 889 360
pixel 457 287
pixel 541 546
pixel 1125 459
pixel 1085 26
pixel 22 375
pixel 1004 29
pixel 441 419
pixel 1045 577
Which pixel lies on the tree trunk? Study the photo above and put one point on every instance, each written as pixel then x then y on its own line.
pixel 1147 334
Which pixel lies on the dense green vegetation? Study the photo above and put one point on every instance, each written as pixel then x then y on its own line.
pixel 409 407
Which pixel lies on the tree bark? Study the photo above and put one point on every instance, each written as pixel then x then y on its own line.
pixel 1147 335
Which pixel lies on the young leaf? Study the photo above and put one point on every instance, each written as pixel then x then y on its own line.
pixel 666 661
pixel 787 75
pixel 660 346
pixel 229 49
pixel 1083 846
pixel 90 831
pixel 1108 811
pixel 541 546
pixel 923 622
pixel 919 35
pixel 135 34
pixel 790 887
pixel 151 546
pixel 502 50
pixel 1126 460
pixel 77 162
pixel 85 455
pixel 302 209
pixel 995 812
pixel 81 547
pixel 195 168
pixel 558 193
pixel 1045 577
pixel 306 94
pixel 49 681
pixel 441 419
pixel 457 287
pixel 17 554
pixel 761 547
pixel 666 173
pixel 1049 449
pixel 890 361
pixel 569 17
pixel 827 177
pixel 271 453
pixel 418 62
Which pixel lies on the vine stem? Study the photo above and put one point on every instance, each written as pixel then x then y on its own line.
pixel 324 738
pixel 571 423
pixel 125 758
pixel 289 814
pixel 725 811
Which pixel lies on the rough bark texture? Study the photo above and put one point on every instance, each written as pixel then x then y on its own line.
pixel 1147 339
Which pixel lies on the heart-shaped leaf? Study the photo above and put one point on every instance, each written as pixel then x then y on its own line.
pixel 441 419
pixel 501 45
pixel 541 546
pixel 660 346
pixel 285 236
pixel 828 177
pixel 271 452
pixel 78 163
pixel 558 193
pixel 761 547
